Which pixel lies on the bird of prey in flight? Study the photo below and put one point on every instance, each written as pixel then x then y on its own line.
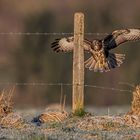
pixel 101 59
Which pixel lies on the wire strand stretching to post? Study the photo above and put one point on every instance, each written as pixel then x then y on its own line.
pixel 47 33
pixel 64 84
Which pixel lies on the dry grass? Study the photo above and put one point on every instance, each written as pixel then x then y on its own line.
pixel 135 106
pixel 116 123
pixel 53 116
pixel 12 120
pixel 132 118
pixel 87 127
pixel 59 123
pixel 54 113
pixel 132 137
pixel 6 104
pixel 9 118
pixel 108 123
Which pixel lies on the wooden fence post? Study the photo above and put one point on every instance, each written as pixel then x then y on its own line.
pixel 78 65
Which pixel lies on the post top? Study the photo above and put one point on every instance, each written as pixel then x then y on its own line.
pixel 79 14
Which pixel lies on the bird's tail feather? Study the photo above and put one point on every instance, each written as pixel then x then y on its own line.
pixel 115 60
pixel 105 64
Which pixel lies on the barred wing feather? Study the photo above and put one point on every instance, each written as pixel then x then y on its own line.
pixel 66 44
pixel 121 36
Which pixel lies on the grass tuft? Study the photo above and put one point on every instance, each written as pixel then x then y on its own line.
pixel 6 104
pixel 135 105
pixel 80 113
pixel 9 118
pixel 54 113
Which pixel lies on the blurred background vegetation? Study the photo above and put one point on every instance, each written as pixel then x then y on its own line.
pixel 30 58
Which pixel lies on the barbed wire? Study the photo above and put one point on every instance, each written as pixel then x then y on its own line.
pixel 108 88
pixel 47 33
pixel 127 84
pixel 64 84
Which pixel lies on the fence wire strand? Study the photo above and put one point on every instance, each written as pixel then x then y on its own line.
pixel 47 33
pixel 61 85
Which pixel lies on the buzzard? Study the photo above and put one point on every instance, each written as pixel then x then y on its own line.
pixel 101 58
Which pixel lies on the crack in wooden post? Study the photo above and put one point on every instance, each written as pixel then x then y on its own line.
pixel 78 64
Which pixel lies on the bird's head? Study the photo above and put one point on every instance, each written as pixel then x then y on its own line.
pixel 96 45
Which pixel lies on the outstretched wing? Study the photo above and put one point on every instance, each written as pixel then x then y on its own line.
pixel 66 44
pixel 121 36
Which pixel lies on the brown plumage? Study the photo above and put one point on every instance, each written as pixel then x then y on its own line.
pixel 101 59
